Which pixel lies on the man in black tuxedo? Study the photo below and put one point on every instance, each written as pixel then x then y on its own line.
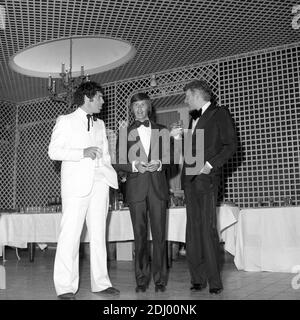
pixel 145 159
pixel 201 185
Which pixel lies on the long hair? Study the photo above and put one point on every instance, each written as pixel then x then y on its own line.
pixel 140 96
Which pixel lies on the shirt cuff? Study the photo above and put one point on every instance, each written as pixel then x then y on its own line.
pixel 134 169
pixel 160 166
pixel 178 137
pixel 209 165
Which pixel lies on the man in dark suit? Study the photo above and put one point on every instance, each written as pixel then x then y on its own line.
pixel 144 158
pixel 201 184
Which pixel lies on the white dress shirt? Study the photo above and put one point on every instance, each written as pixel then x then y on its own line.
pixel 145 136
pixel 196 121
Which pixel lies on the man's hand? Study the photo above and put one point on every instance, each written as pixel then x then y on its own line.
pixel 141 166
pixel 92 152
pixel 206 169
pixel 176 133
pixel 153 165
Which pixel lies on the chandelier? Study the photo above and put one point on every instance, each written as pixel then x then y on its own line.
pixel 67 82
pixel 93 54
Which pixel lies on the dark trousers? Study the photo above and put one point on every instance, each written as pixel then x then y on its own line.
pixel 157 217
pixel 202 239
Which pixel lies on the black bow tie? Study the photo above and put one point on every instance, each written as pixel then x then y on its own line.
pixel 139 123
pixel 89 118
pixel 195 114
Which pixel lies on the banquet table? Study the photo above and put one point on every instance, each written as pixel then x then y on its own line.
pixel 19 229
pixel 268 239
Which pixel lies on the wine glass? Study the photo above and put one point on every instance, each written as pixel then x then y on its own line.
pixel 260 202
pixel 178 126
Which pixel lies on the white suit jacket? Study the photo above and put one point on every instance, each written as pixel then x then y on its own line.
pixel 69 137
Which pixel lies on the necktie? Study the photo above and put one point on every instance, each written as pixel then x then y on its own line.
pixel 195 114
pixel 139 123
pixel 90 117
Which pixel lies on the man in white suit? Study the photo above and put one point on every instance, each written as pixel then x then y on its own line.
pixel 80 142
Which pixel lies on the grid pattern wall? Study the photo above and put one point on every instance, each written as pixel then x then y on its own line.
pixel 256 91
pixel 167 34
pixel 262 91
pixel 7 152
pixel 37 177
pixel 170 83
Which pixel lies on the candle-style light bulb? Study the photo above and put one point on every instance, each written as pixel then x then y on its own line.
pixel 49 82
pixel 53 87
pixel 63 68
pixel 67 77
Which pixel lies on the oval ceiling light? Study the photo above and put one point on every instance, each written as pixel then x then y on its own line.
pixel 96 54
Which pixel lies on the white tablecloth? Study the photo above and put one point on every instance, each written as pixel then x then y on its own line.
pixel 268 239
pixel 19 229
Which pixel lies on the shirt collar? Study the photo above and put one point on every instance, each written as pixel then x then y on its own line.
pixel 82 113
pixel 207 104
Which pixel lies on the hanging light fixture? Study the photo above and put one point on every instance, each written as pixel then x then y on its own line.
pixel 2 17
pixel 69 83
pixel 92 54
pixel 153 82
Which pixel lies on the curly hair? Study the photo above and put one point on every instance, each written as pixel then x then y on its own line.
pixel 88 89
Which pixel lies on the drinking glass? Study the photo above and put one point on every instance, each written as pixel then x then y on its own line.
pixel 260 202
pixel 177 125
pixel 285 201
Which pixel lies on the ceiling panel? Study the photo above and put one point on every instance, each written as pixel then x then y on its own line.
pixel 166 33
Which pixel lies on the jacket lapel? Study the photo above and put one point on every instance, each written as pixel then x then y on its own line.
pixel 82 122
pixel 209 112
pixel 153 142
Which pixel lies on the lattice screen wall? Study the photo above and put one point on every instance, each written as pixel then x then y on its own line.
pixel 37 175
pixel 7 153
pixel 262 91
pixel 173 82
pixel 263 97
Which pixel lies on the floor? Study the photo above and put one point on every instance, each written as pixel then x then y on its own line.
pixel 33 281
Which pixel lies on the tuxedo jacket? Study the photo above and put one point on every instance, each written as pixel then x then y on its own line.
pixel 69 138
pixel 220 140
pixel 137 184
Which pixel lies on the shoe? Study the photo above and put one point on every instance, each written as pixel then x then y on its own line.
pixel 160 287
pixel 109 291
pixel 197 287
pixel 215 290
pixel 141 288
pixel 67 296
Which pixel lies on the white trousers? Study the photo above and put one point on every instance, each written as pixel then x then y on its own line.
pixel 93 208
